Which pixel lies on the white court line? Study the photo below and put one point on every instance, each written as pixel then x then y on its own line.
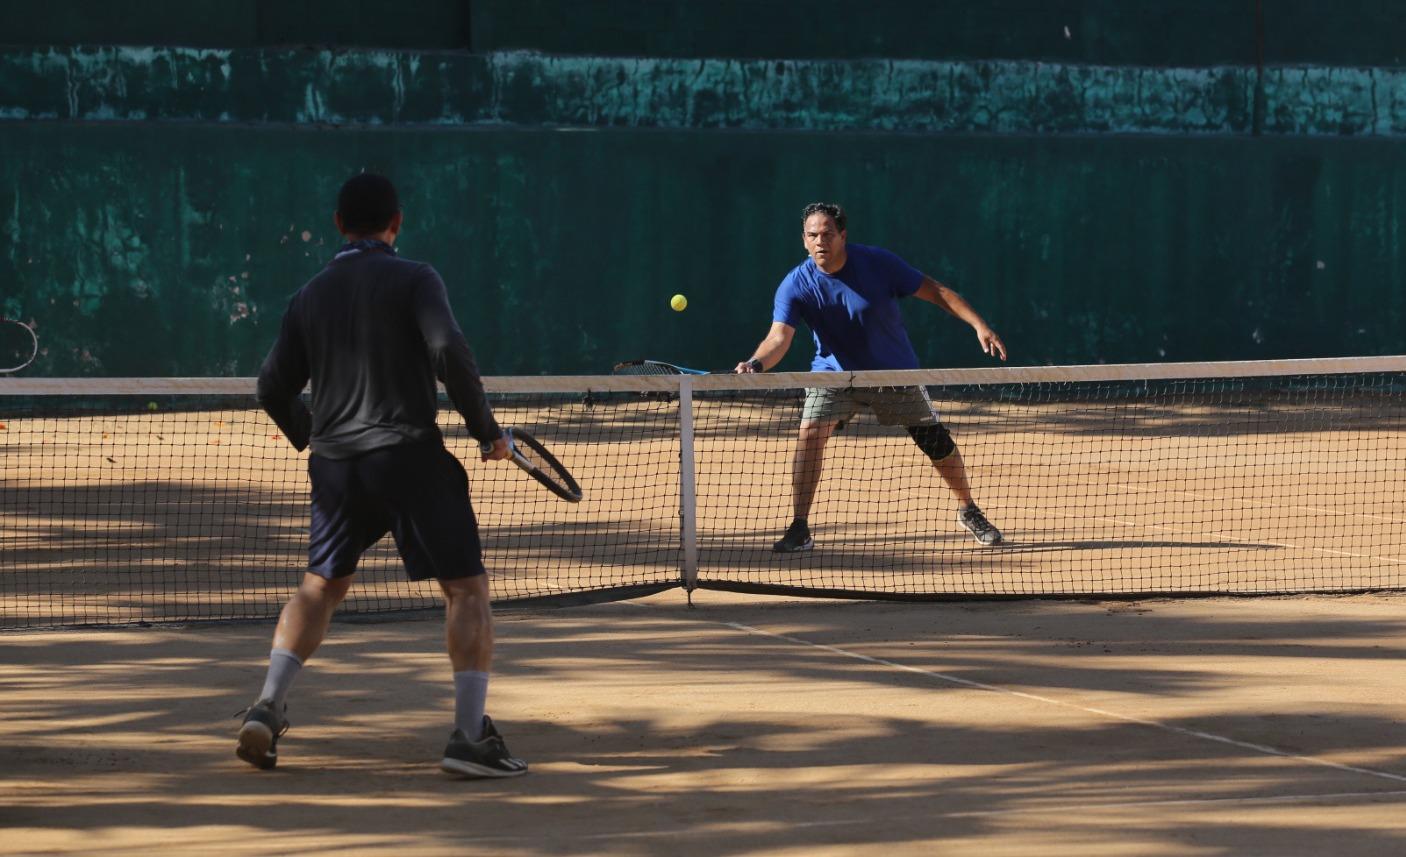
pixel 1068 811
pixel 1103 712
pixel 1035 697
pixel 1229 538
pixel 1264 504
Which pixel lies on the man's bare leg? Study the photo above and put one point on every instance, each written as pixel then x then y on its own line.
pixel 954 472
pixel 301 628
pixel 468 631
pixel 806 465
pixel 468 622
pixel 303 623
pixel 475 748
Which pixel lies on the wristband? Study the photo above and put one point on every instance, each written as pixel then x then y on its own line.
pixel 756 365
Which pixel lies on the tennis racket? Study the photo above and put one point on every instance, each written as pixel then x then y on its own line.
pixel 18 345
pixel 527 452
pixel 652 367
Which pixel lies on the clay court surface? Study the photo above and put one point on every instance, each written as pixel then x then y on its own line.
pixel 748 725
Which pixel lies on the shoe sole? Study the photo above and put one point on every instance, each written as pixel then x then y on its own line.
pixel 805 547
pixel 991 544
pixel 469 769
pixel 255 744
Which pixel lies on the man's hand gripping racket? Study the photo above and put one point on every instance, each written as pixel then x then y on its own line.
pixel 528 453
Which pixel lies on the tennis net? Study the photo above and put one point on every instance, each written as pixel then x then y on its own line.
pixel 166 500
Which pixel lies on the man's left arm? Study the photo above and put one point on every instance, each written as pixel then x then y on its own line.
pixel 936 293
pixel 281 381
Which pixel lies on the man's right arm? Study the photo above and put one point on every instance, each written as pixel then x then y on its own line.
pixel 770 351
pixel 453 361
pixel 281 382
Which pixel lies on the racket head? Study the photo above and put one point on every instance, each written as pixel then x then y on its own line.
pixel 529 454
pixel 652 367
pixel 19 345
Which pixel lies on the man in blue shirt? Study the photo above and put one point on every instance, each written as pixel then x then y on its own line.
pixel 847 294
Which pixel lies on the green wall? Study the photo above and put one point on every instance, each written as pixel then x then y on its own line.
pixel 1107 32
pixel 420 24
pixel 1139 189
pixel 384 88
pixel 163 249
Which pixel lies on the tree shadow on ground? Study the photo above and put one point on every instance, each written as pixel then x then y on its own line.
pixel 782 749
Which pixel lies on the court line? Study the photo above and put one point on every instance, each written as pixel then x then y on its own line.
pixel 1139 804
pixel 1263 749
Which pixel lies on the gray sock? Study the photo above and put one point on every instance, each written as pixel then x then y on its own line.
pixel 470 697
pixel 283 668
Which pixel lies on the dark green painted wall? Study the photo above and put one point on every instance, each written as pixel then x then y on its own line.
pixel 331 88
pixel 1105 32
pixel 420 24
pixel 1136 190
pixel 170 249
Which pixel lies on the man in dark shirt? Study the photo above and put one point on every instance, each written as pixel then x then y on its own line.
pixel 372 332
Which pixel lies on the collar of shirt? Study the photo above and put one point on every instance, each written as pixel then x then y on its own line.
pixel 365 245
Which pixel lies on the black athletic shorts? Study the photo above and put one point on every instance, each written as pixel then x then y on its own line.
pixel 418 492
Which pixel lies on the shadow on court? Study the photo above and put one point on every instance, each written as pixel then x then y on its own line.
pixel 134 551
pixel 655 729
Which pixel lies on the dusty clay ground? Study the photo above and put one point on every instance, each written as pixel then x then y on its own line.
pixel 745 726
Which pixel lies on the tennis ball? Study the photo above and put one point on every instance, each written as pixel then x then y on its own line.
pixel 151 406
pixel 678 302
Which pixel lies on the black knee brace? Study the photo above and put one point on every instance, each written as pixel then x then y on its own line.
pixel 934 440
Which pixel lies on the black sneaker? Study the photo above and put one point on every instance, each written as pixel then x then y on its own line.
pixel 797 538
pixel 486 757
pixel 258 737
pixel 981 529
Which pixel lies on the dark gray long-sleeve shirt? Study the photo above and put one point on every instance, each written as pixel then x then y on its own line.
pixel 372 332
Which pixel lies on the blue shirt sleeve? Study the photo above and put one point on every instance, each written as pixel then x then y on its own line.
pixel 901 276
pixel 787 308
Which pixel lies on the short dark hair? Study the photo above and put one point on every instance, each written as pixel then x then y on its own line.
pixel 367 203
pixel 834 210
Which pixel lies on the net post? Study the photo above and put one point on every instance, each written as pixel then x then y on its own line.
pixel 688 500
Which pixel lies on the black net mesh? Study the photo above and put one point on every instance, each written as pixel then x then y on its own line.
pixel 149 506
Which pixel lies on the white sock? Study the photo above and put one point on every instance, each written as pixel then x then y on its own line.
pixel 283 668
pixel 470 698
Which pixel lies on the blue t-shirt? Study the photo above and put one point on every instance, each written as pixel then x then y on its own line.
pixel 853 314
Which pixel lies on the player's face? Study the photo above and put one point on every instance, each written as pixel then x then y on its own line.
pixel 824 243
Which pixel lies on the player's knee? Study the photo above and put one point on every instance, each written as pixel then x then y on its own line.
pixel 473 588
pixel 934 440
pixel 315 587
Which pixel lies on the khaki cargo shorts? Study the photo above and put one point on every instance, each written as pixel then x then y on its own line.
pixel 894 406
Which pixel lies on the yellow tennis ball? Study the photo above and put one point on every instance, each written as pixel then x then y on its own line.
pixel 678 302
pixel 151 406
